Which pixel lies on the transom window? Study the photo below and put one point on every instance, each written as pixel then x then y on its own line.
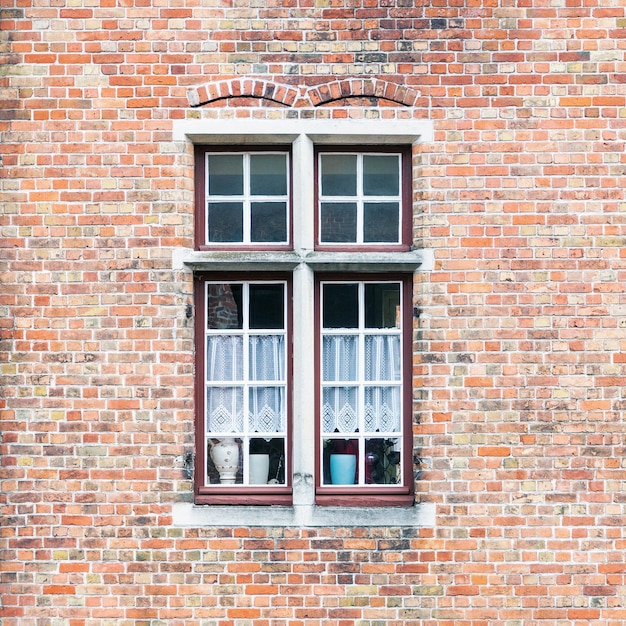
pixel 361 197
pixel 245 197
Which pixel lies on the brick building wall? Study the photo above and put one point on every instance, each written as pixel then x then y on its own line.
pixel 519 358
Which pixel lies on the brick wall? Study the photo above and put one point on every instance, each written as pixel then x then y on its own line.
pixel 520 387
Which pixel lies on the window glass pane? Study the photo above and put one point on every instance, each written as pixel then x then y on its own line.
pixel 224 409
pixel 268 221
pixel 267 306
pixel 224 306
pixel 267 357
pixel 382 357
pixel 225 221
pixel 382 305
pixel 341 462
pixel 340 306
pixel 339 409
pixel 267 461
pixel 382 462
pixel 268 174
pixel 267 409
pixel 224 358
pixel 340 358
pixel 225 174
pixel 381 175
pixel 382 409
pixel 338 222
pixel 338 174
pixel 381 222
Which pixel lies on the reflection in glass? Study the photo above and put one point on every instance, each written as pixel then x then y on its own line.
pixel 338 222
pixel 225 174
pixel 224 306
pixel 338 174
pixel 268 221
pixel 381 175
pixel 268 175
pixel 382 305
pixel 380 222
pixel 225 221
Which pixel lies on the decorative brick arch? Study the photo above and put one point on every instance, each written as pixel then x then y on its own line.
pixel 362 87
pixel 243 88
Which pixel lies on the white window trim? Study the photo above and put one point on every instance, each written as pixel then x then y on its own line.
pixel 303 261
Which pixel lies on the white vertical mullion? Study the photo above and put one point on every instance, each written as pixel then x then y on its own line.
pixel 245 305
pixel 246 198
pixel 361 387
pixel 359 199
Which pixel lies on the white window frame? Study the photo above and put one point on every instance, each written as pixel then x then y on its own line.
pixel 303 261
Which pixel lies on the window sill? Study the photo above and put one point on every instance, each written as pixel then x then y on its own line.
pixel 223 260
pixel 300 516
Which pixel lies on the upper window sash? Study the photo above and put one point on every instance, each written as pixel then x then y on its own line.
pixel 243 198
pixel 363 198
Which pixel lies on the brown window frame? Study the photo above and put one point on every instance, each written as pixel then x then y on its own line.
pixel 200 197
pixel 369 495
pixel 239 494
pixel 405 242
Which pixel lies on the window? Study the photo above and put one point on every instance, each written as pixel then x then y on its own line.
pixel 244 198
pixel 364 353
pixel 303 287
pixel 244 395
pixel 363 198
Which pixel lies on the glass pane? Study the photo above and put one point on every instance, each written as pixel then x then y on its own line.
pixel 340 358
pixel 225 174
pixel 224 409
pixel 381 222
pixel 224 306
pixel 225 221
pixel 382 358
pixel 382 409
pixel 268 175
pixel 267 357
pixel 382 462
pixel 340 462
pixel 339 410
pixel 338 174
pixel 224 461
pixel 267 461
pixel 338 222
pixel 382 305
pixel 340 306
pixel 267 306
pixel 267 409
pixel 224 358
pixel 268 221
pixel 381 175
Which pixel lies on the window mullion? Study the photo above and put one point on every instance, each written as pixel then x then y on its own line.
pixel 359 199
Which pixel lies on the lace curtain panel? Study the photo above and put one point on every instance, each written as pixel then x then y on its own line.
pixel 382 402
pixel 225 402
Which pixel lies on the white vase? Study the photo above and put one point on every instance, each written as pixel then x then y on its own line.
pixel 225 456
pixel 259 469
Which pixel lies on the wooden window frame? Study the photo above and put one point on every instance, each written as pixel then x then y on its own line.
pixel 238 494
pixel 200 193
pixel 369 495
pixel 405 242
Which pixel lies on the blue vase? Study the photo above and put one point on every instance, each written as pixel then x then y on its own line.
pixel 342 469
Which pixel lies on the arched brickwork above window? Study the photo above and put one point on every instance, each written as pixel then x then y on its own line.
pixel 338 91
pixel 372 88
pixel 243 88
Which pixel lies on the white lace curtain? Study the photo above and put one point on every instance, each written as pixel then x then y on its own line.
pixel 225 364
pixel 382 402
